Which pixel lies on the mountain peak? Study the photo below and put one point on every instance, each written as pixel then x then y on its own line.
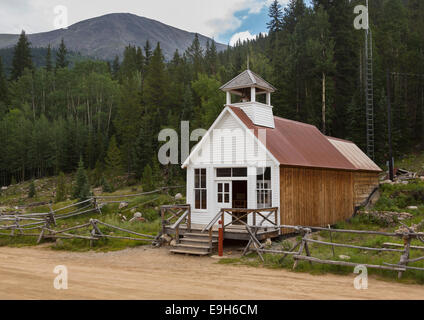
pixel 106 36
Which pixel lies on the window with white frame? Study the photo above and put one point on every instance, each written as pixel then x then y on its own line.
pixel 200 192
pixel 263 188
pixel 223 192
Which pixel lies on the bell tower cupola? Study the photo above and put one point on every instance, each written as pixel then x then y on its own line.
pixel 248 87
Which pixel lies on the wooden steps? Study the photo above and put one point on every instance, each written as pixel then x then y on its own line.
pixel 196 243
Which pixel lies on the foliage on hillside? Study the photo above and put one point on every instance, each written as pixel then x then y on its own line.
pixel 15 198
pixel 48 119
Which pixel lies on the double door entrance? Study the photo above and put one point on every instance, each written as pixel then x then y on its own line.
pixel 232 195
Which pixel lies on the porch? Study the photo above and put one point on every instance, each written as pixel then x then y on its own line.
pixel 231 233
pixel 202 239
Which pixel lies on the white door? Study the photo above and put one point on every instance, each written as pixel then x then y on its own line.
pixel 224 198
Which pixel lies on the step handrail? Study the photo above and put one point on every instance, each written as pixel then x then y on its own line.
pixel 213 221
pixel 181 219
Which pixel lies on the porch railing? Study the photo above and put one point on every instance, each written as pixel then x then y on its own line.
pixel 238 214
pixel 173 216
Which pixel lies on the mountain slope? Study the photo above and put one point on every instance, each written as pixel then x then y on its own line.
pixel 106 36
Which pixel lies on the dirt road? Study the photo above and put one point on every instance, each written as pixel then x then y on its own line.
pixel 145 273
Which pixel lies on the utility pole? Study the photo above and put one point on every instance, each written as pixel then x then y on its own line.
pixel 389 127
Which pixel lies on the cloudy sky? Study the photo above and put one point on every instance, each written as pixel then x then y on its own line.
pixel 224 20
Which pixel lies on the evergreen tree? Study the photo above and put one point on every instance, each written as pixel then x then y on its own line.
pixel 195 55
pixel 129 64
pixel 3 90
pixel 115 67
pixel 82 187
pixel 211 58
pixel 113 158
pixel 31 192
pixel 276 14
pixel 106 187
pixel 321 49
pixel 292 14
pixel 127 121
pixel 21 57
pixel 155 96
pixel 140 60
pixel 147 180
pixel 60 188
pixel 61 56
pixel 49 65
pixel 147 52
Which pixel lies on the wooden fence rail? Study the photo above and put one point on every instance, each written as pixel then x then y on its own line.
pixel 304 252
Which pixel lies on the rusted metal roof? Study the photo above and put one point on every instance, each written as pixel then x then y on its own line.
pixel 247 79
pixel 294 143
pixel 354 154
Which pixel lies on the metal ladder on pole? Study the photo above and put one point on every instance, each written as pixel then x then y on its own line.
pixel 369 91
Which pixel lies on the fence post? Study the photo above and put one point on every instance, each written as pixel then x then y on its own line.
pixel 220 238
pixel 405 256
pixel 331 240
pixel 177 235
pixel 162 213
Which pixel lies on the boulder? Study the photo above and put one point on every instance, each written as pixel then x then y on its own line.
pixel 123 205
pixel 165 238
pixel 4 188
pixel 412 208
pixel 387 182
pixel 343 257
pixel 137 217
pixel 268 243
pixel 390 218
pixel 178 196
pixel 173 243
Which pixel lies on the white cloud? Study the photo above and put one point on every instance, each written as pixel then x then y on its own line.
pixel 242 36
pixel 210 18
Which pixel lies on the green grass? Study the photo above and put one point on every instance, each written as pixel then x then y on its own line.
pixel 148 205
pixel 413 162
pixel 388 202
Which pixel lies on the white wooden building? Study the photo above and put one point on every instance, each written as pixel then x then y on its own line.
pixel 250 160
pixel 230 167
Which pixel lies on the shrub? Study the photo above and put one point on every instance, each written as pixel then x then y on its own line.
pixel 82 187
pixel 31 192
pixel 61 188
pixel 106 187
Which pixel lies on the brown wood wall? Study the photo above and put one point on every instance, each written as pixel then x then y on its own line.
pixel 364 184
pixel 315 197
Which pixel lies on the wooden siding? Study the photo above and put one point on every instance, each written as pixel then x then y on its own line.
pixel 315 197
pixel 364 184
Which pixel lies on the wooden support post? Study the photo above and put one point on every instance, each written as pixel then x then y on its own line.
pixel 18 226
pixel 302 247
pixel 162 213
pixel 331 240
pixel 96 205
pixel 276 217
pixel 223 220
pixel 41 236
pixel 291 250
pixel 210 237
pixel 220 239
pixel 189 219
pixel 52 220
pixel 405 256
pixel 177 235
